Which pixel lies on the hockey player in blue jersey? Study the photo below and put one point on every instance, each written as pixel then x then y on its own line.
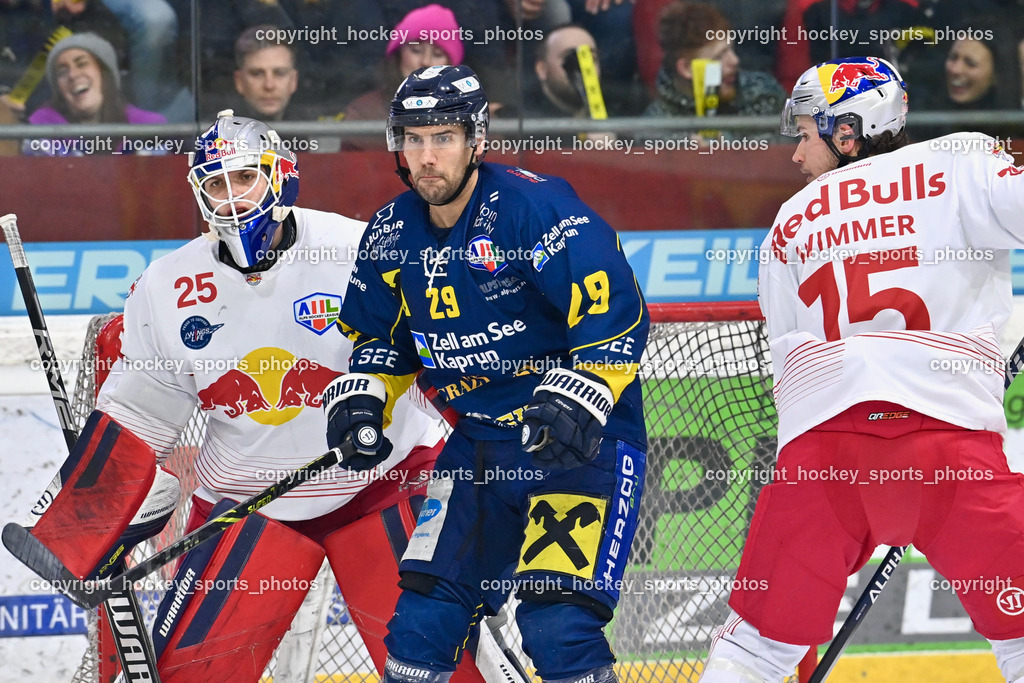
pixel 516 302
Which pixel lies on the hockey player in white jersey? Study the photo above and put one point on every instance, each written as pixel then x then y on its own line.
pixel 243 324
pixel 884 284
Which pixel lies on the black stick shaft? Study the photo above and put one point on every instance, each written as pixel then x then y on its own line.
pixel 856 618
pixel 39 329
pixel 93 593
pixel 124 601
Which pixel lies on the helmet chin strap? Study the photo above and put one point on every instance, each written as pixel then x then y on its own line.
pixel 405 174
pixel 845 159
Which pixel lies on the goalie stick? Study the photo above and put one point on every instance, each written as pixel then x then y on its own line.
pixel 88 594
pixel 1014 365
pixel 133 646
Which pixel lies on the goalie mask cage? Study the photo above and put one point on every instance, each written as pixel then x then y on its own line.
pixel 711 426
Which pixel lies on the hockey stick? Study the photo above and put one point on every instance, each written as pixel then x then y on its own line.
pixel 1014 365
pixel 88 594
pixel 134 648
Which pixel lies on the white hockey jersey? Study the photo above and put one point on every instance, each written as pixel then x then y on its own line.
pixel 889 279
pixel 255 352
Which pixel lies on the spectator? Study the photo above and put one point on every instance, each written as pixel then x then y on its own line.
pixel 683 31
pixel 86 84
pixel 808 27
pixel 221 22
pixel 609 22
pixel 558 95
pixel 980 73
pixel 266 76
pixel 486 40
pixel 27 26
pixel 760 20
pixel 401 59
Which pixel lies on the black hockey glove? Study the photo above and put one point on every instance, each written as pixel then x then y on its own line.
pixel 354 405
pixel 562 426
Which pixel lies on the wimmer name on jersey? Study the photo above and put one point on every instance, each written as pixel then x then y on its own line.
pixel 887 277
pixel 529 279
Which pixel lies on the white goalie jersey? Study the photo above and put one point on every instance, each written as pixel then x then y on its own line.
pixel 889 279
pixel 254 352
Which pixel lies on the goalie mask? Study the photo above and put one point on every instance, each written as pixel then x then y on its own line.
pixel 865 92
pixel 437 96
pixel 245 182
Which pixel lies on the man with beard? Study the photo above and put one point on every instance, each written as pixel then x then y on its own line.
pixel 561 97
pixel 516 302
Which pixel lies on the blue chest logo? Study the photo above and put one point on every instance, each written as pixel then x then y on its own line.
pixel 197 331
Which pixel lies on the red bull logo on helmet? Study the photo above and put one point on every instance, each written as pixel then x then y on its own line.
pixel 269 385
pixel 851 76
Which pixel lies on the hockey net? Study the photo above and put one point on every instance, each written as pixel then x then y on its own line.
pixel 711 427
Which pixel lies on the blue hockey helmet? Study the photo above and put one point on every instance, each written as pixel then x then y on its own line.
pixel 437 95
pixel 244 217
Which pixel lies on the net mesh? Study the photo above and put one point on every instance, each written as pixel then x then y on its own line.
pixel 711 427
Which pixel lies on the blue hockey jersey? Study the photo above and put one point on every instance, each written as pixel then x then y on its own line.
pixel 529 279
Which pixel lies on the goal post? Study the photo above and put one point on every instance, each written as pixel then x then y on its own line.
pixel 711 426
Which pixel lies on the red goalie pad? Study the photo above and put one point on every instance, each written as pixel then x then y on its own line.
pixel 231 604
pixel 105 480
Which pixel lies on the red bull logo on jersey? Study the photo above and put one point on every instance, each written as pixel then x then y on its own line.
pixel 317 312
pixel 483 255
pixel 850 77
pixel 269 385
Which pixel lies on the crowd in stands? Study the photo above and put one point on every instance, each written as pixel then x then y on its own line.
pixel 149 61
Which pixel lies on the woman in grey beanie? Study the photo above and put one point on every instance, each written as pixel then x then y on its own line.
pixel 86 88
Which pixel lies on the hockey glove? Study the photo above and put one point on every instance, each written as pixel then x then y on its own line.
pixel 562 426
pixel 354 405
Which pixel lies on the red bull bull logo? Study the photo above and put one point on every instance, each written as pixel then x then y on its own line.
pixel 270 385
pixel 837 78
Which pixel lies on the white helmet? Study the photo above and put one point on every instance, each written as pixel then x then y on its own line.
pixel 865 92
pixel 231 144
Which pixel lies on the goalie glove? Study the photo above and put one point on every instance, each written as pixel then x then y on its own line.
pixel 354 405
pixel 562 426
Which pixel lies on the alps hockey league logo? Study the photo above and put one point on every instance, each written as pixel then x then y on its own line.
pixel 483 255
pixel 317 312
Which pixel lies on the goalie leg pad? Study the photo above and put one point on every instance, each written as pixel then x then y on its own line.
pixel 225 614
pixel 105 480
pixel 370 585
